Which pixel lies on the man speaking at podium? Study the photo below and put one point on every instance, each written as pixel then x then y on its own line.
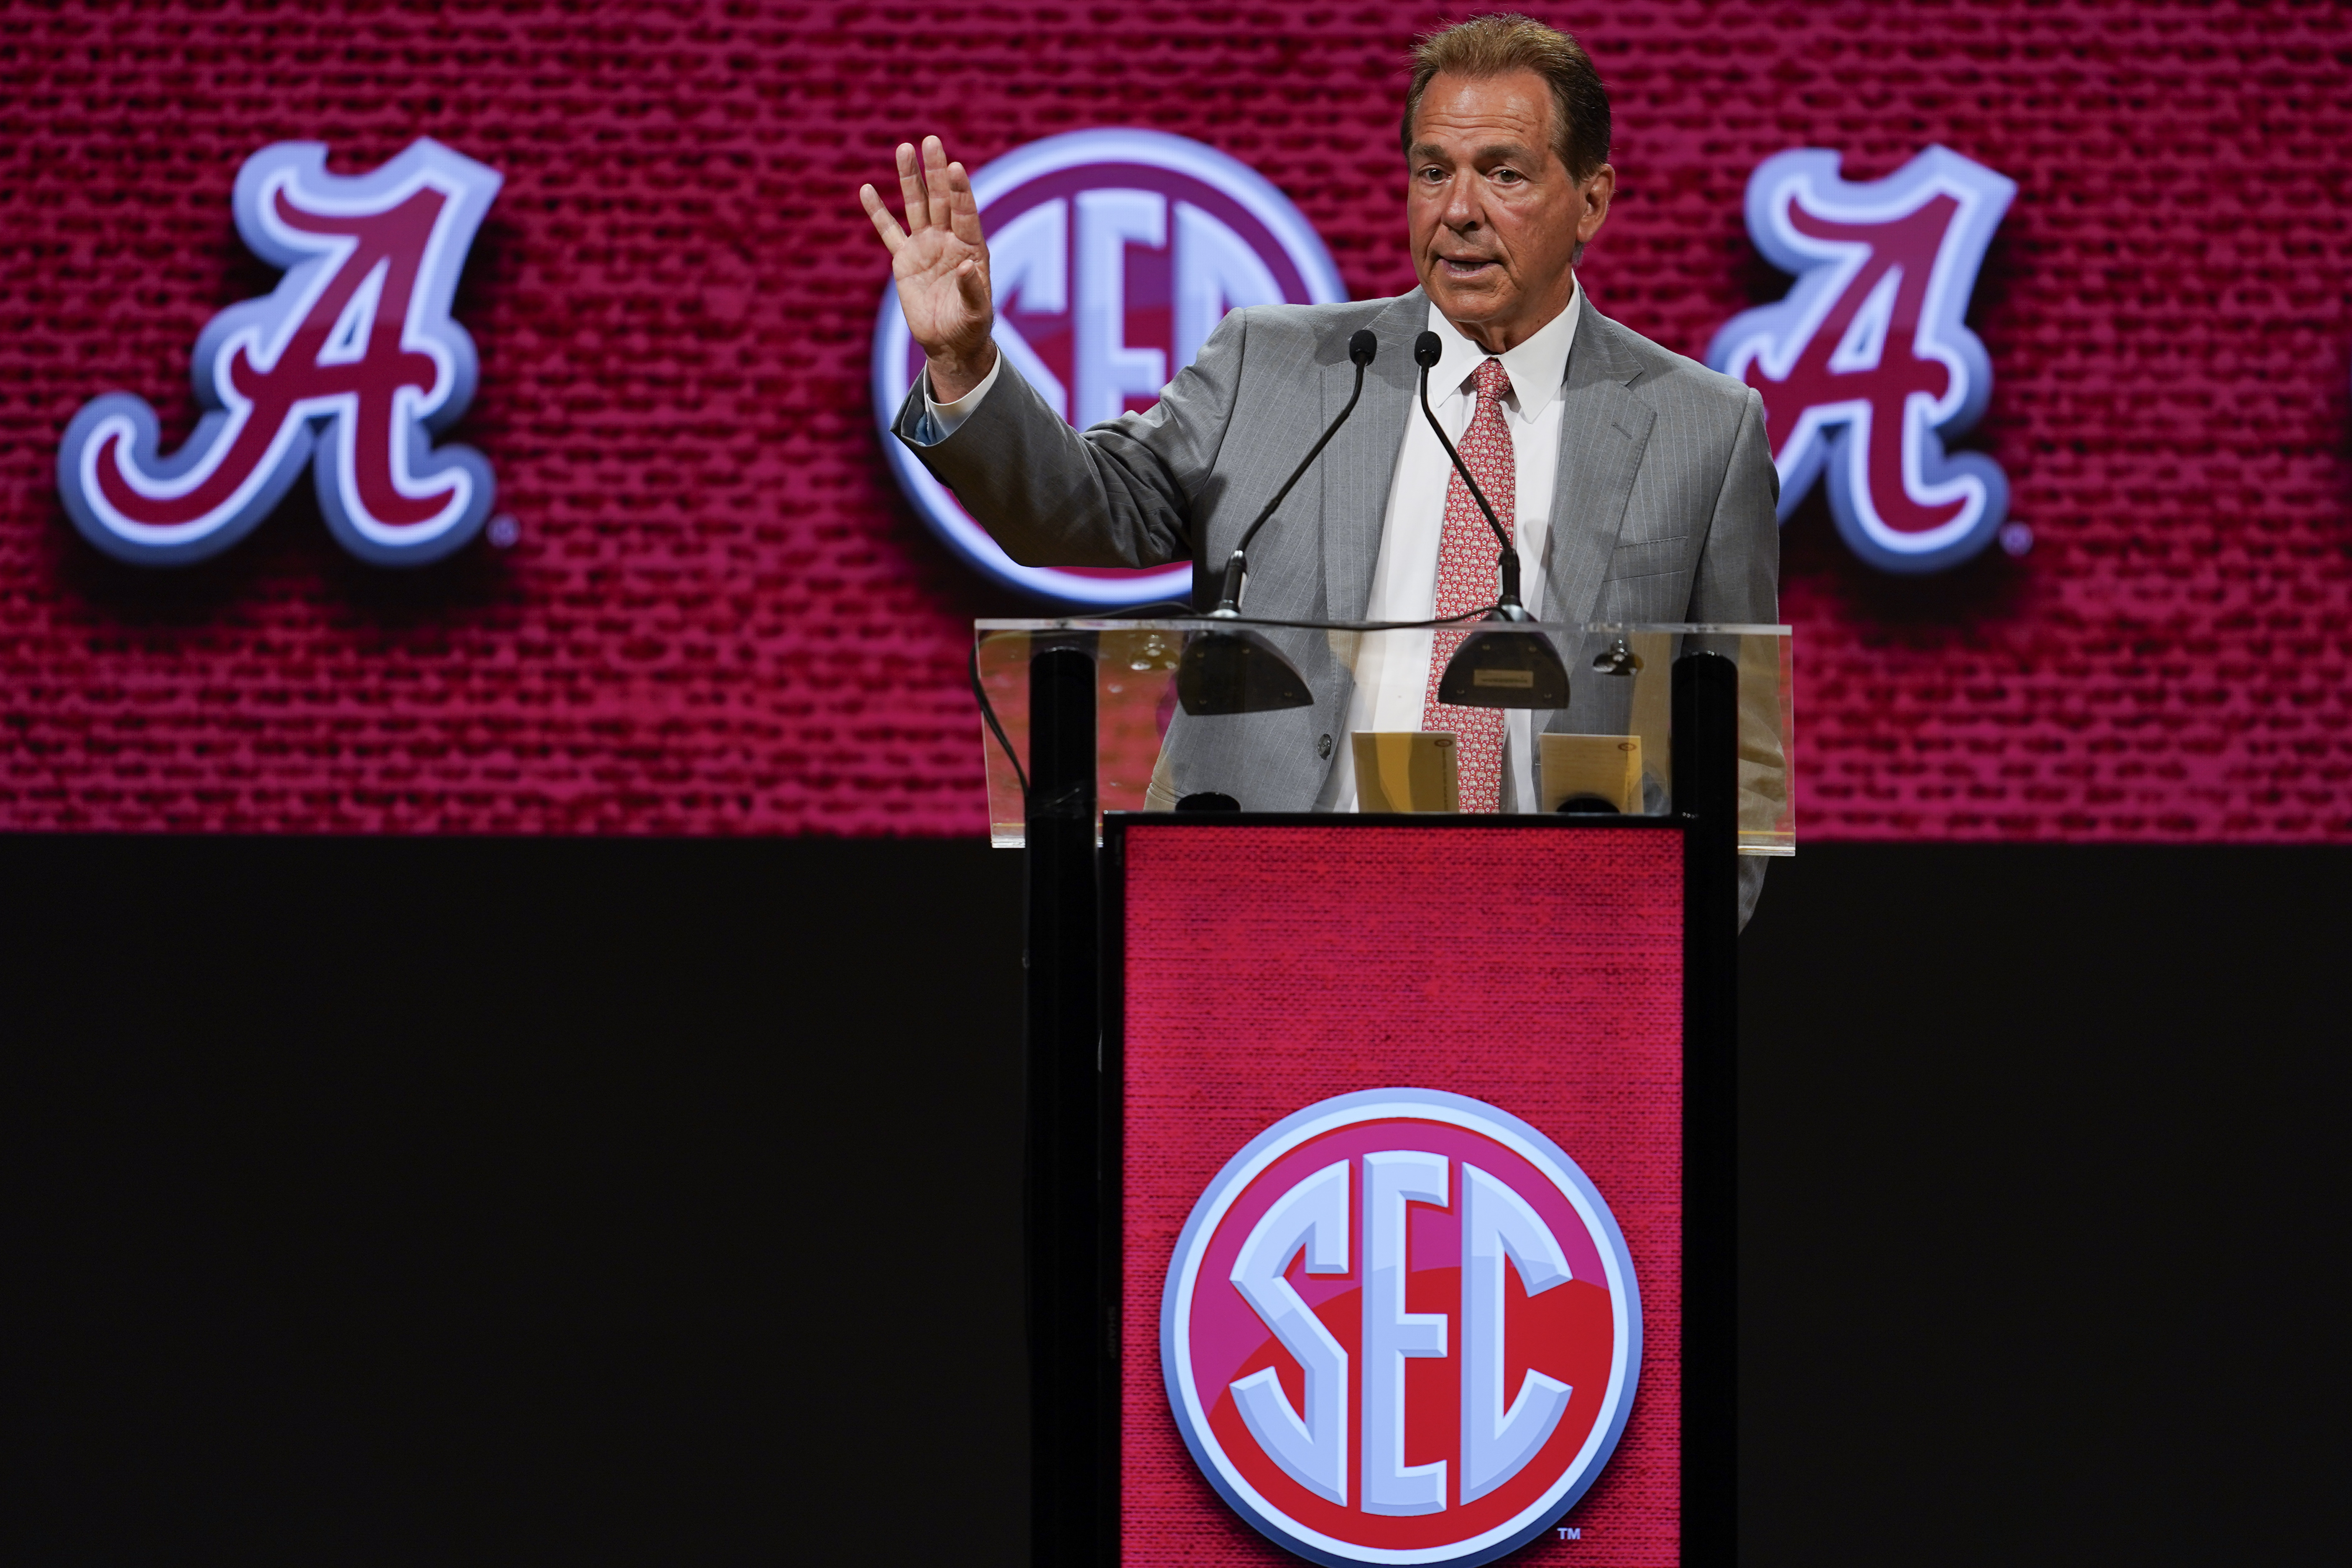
pixel 1639 483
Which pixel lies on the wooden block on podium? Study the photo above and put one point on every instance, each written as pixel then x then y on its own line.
pixel 1406 769
pixel 1608 766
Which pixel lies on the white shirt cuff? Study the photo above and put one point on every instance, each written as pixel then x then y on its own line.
pixel 946 416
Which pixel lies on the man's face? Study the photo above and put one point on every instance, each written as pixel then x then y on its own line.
pixel 1493 215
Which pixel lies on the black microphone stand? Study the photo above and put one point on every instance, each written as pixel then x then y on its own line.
pixel 1361 348
pixel 1426 351
pixel 1235 669
pixel 1493 669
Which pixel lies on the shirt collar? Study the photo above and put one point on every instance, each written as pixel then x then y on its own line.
pixel 1537 367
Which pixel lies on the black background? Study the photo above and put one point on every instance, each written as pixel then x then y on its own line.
pixel 483 1201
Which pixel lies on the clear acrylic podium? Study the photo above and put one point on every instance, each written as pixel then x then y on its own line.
pixel 1135 706
pixel 1198 965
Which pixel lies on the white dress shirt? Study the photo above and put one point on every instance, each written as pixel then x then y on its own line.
pixel 946 416
pixel 1393 668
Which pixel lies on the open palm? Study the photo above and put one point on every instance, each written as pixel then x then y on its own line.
pixel 940 264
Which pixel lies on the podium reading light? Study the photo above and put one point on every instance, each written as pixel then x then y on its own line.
pixel 1238 671
pixel 1493 669
pixel 1617 659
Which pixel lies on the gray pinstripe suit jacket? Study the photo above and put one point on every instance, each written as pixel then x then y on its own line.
pixel 1662 507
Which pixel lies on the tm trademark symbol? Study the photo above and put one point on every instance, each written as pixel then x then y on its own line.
pixel 1571 1531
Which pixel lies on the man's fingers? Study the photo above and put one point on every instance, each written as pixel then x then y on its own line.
pixel 971 284
pixel 963 209
pixel 935 180
pixel 910 190
pixel 884 224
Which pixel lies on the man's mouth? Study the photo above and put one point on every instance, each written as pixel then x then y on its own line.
pixel 1466 265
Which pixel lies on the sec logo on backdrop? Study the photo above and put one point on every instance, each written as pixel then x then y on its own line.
pixel 1113 255
pixel 1401 1327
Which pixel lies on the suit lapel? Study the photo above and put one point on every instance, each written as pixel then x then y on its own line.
pixel 1603 431
pixel 1361 458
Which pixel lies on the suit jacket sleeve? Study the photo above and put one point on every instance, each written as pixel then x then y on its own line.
pixel 1739 577
pixel 1739 581
pixel 1123 493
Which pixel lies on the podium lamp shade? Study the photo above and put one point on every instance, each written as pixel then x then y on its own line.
pixel 1505 668
pixel 1238 671
pixel 1617 659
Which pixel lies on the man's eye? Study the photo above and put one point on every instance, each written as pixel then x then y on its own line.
pixel 1506 176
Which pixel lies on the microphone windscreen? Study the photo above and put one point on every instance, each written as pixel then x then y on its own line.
pixel 1363 346
pixel 1427 350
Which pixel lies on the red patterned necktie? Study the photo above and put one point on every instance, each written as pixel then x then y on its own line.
pixel 1466 580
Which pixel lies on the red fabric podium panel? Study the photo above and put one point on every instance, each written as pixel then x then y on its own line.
pixel 1534 966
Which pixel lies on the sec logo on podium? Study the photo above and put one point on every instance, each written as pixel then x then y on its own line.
pixel 1112 254
pixel 1400 1326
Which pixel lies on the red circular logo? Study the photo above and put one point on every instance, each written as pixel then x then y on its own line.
pixel 1113 253
pixel 1401 1327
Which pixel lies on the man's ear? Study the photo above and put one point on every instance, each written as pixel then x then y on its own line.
pixel 1598 192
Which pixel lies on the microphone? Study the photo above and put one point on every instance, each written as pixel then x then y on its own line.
pixel 1426 351
pixel 1492 667
pixel 1362 347
pixel 1234 669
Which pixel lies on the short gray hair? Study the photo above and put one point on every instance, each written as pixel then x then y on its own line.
pixel 1505 42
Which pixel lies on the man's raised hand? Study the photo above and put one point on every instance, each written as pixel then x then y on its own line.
pixel 940 264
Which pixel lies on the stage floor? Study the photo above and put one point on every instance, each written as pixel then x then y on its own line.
pixel 375 1200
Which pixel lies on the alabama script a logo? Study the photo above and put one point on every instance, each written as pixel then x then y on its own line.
pixel 1401 1327
pixel 350 365
pixel 1867 367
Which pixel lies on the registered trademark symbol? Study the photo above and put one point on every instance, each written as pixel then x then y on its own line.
pixel 503 532
pixel 2016 538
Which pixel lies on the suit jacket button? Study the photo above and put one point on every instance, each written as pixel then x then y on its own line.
pixel 1323 747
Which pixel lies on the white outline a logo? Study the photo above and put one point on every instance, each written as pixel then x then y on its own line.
pixel 1867 365
pixel 350 365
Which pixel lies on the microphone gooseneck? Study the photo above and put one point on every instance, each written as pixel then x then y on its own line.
pixel 1426 351
pixel 1361 348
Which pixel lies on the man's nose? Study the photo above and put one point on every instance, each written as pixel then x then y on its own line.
pixel 1462 212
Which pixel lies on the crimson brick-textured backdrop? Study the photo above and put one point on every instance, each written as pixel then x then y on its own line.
pixel 721 617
